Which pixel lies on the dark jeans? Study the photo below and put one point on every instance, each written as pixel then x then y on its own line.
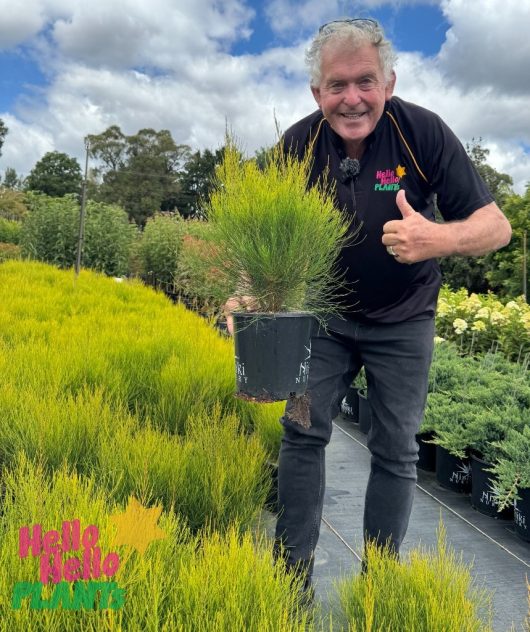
pixel 396 359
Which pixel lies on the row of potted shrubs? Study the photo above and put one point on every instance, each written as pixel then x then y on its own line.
pixel 476 430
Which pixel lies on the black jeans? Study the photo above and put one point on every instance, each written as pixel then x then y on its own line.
pixel 396 359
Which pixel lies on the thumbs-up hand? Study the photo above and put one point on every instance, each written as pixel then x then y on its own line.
pixel 410 239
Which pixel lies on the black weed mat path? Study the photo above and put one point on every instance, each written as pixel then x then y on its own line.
pixel 500 559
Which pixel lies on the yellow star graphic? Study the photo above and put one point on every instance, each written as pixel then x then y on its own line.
pixel 137 526
pixel 400 171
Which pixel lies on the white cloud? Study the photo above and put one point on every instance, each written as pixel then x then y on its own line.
pixel 166 64
pixel 488 45
pixel 25 144
pixel 19 22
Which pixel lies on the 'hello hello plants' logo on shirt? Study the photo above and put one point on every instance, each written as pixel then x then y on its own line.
pixel 389 179
pixel 73 562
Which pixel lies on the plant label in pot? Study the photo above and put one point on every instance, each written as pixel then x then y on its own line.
pixel 272 355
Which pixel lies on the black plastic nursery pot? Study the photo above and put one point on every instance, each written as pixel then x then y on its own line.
pixel 272 354
pixel 365 412
pixel 427 452
pixel 521 515
pixel 482 497
pixel 349 406
pixel 452 472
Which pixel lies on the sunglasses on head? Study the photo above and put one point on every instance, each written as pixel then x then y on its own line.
pixel 359 21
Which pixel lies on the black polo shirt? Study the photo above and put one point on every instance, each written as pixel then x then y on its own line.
pixel 411 148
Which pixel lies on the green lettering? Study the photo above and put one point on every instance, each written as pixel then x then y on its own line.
pixel 118 598
pixel 83 596
pixel 61 595
pixel 22 590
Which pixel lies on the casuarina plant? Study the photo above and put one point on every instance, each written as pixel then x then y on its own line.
pixel 278 239
pixel 277 244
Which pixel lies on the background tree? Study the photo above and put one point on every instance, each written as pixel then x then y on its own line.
pixel 3 133
pixel 263 155
pixel 474 273
pixel 138 172
pixel 197 181
pixel 56 174
pixel 506 272
pixel 12 204
pixel 12 180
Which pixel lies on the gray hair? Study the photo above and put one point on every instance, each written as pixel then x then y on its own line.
pixel 355 32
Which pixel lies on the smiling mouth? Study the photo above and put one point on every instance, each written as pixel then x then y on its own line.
pixel 352 116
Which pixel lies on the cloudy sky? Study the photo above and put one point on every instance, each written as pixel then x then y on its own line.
pixel 70 68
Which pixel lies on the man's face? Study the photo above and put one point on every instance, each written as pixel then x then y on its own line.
pixel 352 91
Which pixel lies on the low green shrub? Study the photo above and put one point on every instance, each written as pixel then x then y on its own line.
pixel 213 476
pixel 473 402
pixel 197 280
pixel 512 470
pixel 51 231
pixel 180 582
pixel 158 251
pixel 158 360
pixel 10 251
pixel 428 591
pixel 10 231
pixel 13 204
pixel 109 237
pixel 104 375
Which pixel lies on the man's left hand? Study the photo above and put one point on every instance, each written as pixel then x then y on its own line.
pixel 412 238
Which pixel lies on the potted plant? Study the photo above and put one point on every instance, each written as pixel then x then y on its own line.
pixel 512 477
pixel 350 406
pixel 277 241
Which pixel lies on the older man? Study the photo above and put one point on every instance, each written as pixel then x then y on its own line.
pixel 390 160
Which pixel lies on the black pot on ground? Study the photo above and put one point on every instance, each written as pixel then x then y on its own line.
pixel 349 406
pixel 365 412
pixel 272 354
pixel 482 497
pixel 427 452
pixel 452 472
pixel 521 517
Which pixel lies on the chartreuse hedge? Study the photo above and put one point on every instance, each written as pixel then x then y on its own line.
pixel 180 581
pixel 115 380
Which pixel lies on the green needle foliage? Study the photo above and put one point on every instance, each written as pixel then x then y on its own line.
pixel 204 582
pixel 512 471
pixel 278 239
pixel 429 591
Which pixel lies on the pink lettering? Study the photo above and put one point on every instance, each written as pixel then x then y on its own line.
pixel 49 568
pixel 25 542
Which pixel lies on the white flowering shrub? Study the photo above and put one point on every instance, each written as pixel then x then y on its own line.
pixel 481 323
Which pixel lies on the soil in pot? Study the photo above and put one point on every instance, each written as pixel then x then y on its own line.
pixel 272 355
pixel 482 496
pixel 521 517
pixel 452 472
pixel 427 452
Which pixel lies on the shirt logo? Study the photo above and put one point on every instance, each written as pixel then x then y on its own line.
pixel 389 179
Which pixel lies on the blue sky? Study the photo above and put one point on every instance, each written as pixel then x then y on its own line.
pixel 69 68
pixel 411 28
